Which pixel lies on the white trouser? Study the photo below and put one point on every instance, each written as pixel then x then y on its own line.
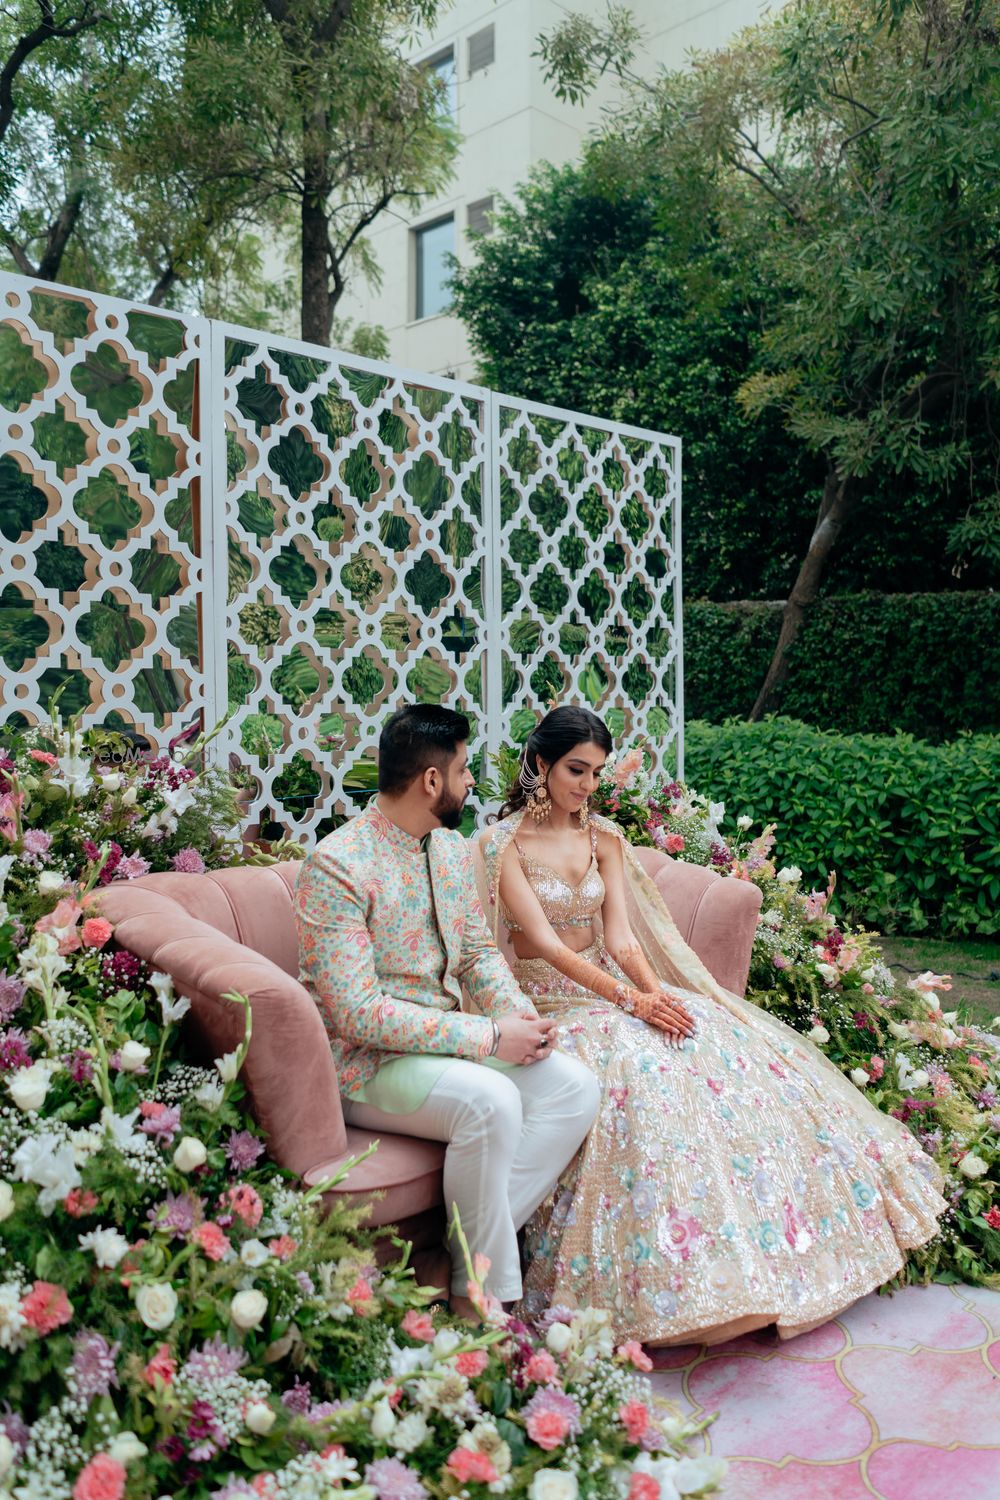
pixel 509 1135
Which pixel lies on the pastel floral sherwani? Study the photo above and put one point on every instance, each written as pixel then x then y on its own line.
pixel 387 952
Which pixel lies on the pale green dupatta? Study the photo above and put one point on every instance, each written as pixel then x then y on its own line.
pixel 679 967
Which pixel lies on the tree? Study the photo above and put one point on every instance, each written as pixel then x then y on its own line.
pixel 849 147
pixel 187 129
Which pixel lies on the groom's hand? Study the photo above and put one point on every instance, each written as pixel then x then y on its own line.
pixel 525 1039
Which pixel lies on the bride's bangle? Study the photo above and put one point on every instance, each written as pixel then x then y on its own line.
pixel 622 996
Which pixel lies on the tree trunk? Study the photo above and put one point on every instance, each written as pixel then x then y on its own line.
pixel 317 307
pixel 60 231
pixel 839 498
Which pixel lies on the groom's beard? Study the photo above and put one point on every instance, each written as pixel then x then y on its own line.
pixel 448 809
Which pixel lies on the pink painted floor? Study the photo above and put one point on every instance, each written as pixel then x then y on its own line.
pixel 899 1399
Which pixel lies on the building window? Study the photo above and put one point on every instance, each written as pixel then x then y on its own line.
pixel 433 244
pixel 442 67
pixel 482 49
pixel 481 216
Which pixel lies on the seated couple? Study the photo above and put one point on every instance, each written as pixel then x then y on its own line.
pixel 677 1156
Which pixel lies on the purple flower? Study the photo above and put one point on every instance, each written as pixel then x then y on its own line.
pixel 720 855
pixel 172 1448
pixel 93 853
pixel 243 1149
pixel 79 1066
pixel 781 962
pixel 163 1125
pixel 214 1361
pixel 306 1283
pixel 177 1213
pixel 124 970
pixel 188 862
pixel 36 842
pixel 549 1400
pixel 94 1364
pixel 299 1398
pixel 987 1099
pixel 15 1427
pixel 393 1480
pixel 11 995
pixel 13 1050
pixel 133 867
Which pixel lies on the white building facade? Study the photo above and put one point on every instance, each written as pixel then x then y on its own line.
pixel 509 120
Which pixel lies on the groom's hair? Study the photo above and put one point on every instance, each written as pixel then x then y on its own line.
pixel 415 737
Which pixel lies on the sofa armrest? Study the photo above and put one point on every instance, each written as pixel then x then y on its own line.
pixel 716 915
pixel 289 1071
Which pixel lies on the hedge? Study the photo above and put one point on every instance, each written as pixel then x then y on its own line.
pixel 928 664
pixel 911 828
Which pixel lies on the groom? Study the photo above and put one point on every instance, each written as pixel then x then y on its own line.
pixel 391 933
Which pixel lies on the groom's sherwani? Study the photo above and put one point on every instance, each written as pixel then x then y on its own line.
pixel 390 934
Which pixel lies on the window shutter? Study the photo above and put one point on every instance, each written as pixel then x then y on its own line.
pixel 482 49
pixel 481 216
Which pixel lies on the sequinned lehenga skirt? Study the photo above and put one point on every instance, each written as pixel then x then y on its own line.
pixel 721 1188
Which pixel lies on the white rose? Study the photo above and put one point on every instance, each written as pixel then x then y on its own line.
pixel 829 973
pixel 6 1200
pixel 254 1253
pixel 129 797
pixel 7 1454
pixel 860 1077
pixel 108 1245
pixel 867 975
pixel 446 1341
pixel 918 1079
pixel 410 1432
pixel 247 1309
pixel 559 1338
pixel 554 1484
pixel 50 881
pixel 133 1056
pixel 743 822
pixel 190 1154
pixel 228 1066
pixel 819 1035
pixel 789 874
pixel 383 1423
pixel 29 1086
pixel 972 1165
pixel 125 1446
pixel 209 1095
pixel 156 1305
pixel 260 1417
pixel 901 1033
pixel 111 781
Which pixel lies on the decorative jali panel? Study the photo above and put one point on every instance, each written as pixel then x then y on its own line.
pixel 100 463
pixel 356 546
pixel 589 571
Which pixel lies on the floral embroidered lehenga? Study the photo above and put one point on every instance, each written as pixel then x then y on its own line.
pixel 733 1182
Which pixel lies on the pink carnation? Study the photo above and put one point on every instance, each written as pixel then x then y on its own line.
pixel 283 1248
pixel 245 1204
pixel 541 1368
pixel 643 1487
pixel 188 862
pixel 550 1417
pixel 212 1240
pixel 993 1217
pixel 102 1479
pixel 160 1367
pixel 46 1307
pixel 43 757
pixel 62 923
pixel 95 932
pixel 634 1417
pixel 675 843
pixel 472 1363
pixel 469 1464
pixel 876 1067
pixel 419 1325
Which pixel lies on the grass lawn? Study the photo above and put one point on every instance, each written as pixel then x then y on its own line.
pixel 973 963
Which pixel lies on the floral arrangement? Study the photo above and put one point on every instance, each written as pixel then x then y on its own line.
pixel 917 1061
pixel 176 1317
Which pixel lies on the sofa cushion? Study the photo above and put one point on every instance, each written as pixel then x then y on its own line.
pixel 405 1168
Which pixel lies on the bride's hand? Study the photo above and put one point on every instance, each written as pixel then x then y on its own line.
pixel 663 1013
pixel 679 1007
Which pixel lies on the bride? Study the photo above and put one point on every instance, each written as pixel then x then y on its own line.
pixel 733 1178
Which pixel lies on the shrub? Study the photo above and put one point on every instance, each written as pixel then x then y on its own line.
pixel 928 664
pixel 912 829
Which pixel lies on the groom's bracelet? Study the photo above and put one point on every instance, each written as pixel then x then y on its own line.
pixel 496 1039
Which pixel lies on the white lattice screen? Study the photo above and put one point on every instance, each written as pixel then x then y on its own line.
pixel 200 518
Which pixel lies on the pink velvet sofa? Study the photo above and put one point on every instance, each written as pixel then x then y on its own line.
pixel 233 930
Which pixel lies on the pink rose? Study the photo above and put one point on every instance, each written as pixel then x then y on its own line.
pixel 102 1479
pixel 419 1325
pixel 548 1429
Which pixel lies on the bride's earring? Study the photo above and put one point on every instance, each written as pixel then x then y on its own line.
pixel 585 815
pixel 536 792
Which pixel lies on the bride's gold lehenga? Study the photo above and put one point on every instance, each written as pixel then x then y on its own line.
pixel 734 1182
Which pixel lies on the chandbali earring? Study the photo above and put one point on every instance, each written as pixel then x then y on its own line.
pixel 536 793
pixel 585 815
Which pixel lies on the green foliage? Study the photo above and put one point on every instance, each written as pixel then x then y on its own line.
pixel 911 829
pixel 928 664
